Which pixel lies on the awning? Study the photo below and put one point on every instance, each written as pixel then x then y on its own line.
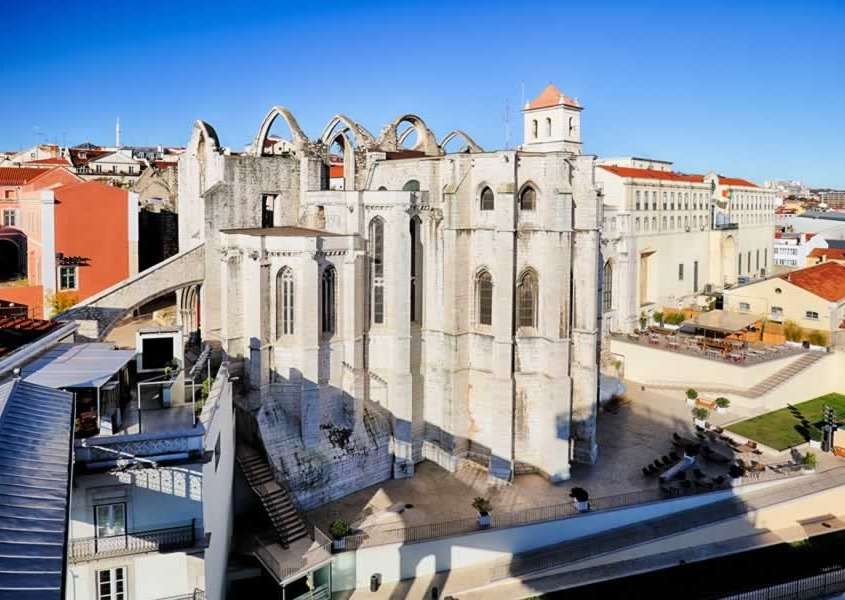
pixel 719 320
pixel 36 434
pixel 76 365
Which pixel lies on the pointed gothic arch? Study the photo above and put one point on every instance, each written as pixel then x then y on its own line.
pixel 299 138
pixel 469 143
pixel 389 139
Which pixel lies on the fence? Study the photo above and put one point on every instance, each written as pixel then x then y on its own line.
pixel 539 514
pixel 136 542
pixel 815 586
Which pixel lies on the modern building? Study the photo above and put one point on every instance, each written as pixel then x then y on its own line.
pixel 791 249
pixel 669 237
pixel 813 298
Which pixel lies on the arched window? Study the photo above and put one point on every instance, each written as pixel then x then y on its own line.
pixel 528 198
pixel 328 310
pixel 654 223
pixel 484 298
pixel 488 200
pixel 284 302
pixel 412 185
pixel 534 128
pixel 571 125
pixel 526 300
pixel 377 270
pixel 607 287
pixel 548 127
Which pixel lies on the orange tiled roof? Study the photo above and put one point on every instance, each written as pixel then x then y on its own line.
pixel 18 175
pixel 335 171
pixel 831 253
pixel 652 174
pixel 552 96
pixel 736 181
pixel 825 280
pixel 49 161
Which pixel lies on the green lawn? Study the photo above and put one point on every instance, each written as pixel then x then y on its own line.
pixel 782 429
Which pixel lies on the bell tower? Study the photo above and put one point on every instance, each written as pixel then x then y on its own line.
pixel 552 122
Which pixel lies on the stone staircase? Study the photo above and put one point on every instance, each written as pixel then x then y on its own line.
pixel 788 372
pixel 763 387
pixel 287 522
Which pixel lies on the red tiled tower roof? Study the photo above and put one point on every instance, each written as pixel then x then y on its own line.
pixel 552 96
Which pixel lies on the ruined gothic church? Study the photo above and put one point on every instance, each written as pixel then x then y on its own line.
pixel 396 301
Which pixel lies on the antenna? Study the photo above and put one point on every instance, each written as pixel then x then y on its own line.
pixel 117 133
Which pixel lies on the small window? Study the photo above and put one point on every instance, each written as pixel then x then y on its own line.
pixel 571 125
pixel 484 293
pixel 744 307
pixel 548 127
pixel 10 217
pixel 528 199
pixel 534 128
pixel 811 315
pixel 328 306
pixel 488 200
pixel 681 272
pixel 111 584
pixel 67 278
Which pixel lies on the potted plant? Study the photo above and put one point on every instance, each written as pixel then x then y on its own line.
pixel 700 415
pixel 658 317
pixel 808 462
pixel 643 321
pixel 339 529
pixel 692 396
pixel 580 498
pixel 722 404
pixel 483 507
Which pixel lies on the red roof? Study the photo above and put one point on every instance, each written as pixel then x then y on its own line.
pixel 652 174
pixel 165 164
pixel 735 181
pixel 552 96
pixel 335 171
pixel 825 280
pixel 49 161
pixel 18 175
pixel 830 253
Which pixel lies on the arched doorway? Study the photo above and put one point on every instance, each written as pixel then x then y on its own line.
pixel 12 254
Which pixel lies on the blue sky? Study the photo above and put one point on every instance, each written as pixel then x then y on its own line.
pixel 752 89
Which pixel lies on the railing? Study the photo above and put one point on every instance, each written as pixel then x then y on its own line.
pixel 197 594
pixel 822 585
pixel 318 554
pixel 540 514
pixel 136 542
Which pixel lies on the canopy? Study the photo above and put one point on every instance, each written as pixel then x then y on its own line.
pixel 719 320
pixel 76 365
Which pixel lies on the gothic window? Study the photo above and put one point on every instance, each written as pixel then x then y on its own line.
pixel 484 298
pixel 528 199
pixel 328 309
pixel 284 302
pixel 488 200
pixel 607 287
pixel 526 299
pixel 548 127
pixel 377 270
pixel 412 185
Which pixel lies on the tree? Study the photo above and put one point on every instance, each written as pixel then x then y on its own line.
pixel 61 301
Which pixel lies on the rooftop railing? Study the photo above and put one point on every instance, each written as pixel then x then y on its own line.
pixel 540 514
pixel 135 542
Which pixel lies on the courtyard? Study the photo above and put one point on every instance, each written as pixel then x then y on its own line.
pixel 791 426
pixel 632 434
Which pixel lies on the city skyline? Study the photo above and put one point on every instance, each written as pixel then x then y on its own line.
pixel 710 88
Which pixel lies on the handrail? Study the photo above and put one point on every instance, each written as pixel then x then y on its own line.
pixel 539 514
pixel 134 542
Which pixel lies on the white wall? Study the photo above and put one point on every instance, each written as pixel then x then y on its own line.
pixel 218 419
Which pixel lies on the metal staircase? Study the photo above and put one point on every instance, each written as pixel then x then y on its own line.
pixel 287 522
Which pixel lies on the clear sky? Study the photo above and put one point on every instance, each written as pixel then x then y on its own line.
pixel 751 89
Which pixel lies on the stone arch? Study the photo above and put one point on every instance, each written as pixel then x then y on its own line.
pixel 426 141
pixel 527 298
pixel 483 199
pixel 469 143
pixel 483 296
pixel 361 136
pixel 523 197
pixel 299 138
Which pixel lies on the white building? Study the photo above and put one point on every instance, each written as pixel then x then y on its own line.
pixel 791 249
pixel 669 237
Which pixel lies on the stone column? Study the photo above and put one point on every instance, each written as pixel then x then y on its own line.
pixel 352 314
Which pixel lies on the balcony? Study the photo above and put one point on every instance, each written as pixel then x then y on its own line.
pixel 136 542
